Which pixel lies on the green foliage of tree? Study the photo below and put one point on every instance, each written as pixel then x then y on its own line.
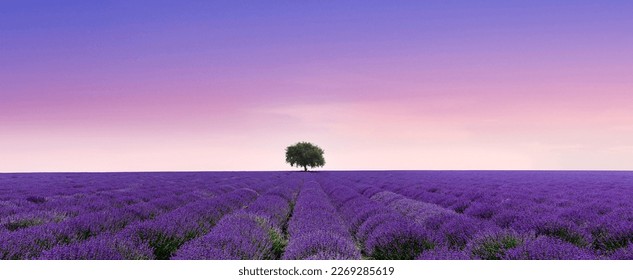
pixel 305 154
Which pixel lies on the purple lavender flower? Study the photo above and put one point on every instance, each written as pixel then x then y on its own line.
pixel 275 208
pixel 321 243
pixel 457 230
pixel 548 248
pixel 443 253
pixel 240 236
pixel 105 247
pixel 371 223
pixel 493 245
pixel 610 233
pixel 316 226
pixel 416 210
pixel 491 215
pixel 397 239
pixel 480 210
pixel 624 253
pixel 168 232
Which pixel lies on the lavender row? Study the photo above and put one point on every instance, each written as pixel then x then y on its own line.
pixel 158 238
pixel 30 242
pixel 585 227
pixel 26 234
pixel 336 215
pixel 381 232
pixel 44 205
pixel 588 229
pixel 254 233
pixel 453 235
pixel 316 231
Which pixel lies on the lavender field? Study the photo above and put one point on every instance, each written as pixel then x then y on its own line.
pixel 318 215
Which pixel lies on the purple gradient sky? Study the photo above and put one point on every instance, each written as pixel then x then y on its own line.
pixel 189 85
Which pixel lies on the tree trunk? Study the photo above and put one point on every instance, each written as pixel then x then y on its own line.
pixel 305 168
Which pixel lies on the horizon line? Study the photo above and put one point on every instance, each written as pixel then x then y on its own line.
pixel 316 171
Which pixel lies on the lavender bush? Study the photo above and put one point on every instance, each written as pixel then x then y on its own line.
pixel 511 215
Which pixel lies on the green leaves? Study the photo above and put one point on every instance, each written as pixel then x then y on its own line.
pixel 305 154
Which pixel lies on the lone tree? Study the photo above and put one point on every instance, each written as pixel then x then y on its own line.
pixel 305 154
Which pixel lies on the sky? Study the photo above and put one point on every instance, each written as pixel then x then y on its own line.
pixel 379 85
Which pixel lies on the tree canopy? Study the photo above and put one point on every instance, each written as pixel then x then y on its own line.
pixel 305 154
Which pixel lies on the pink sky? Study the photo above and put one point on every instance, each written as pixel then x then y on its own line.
pixel 409 88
